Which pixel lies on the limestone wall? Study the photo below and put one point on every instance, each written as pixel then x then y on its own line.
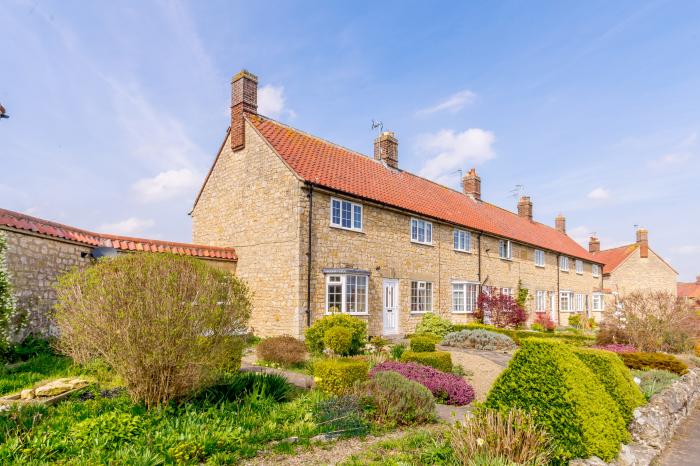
pixel 642 274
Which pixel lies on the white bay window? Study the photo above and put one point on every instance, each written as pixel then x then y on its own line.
pixel 346 293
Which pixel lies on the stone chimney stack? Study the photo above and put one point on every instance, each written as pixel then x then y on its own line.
pixel 593 244
pixel 386 149
pixel 525 207
pixel 560 223
pixel 471 185
pixel 244 99
pixel 643 242
pixel 697 280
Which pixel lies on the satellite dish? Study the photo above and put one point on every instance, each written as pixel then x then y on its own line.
pixel 103 251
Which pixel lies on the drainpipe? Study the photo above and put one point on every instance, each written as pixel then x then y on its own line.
pixel 558 297
pixel 478 244
pixel 308 257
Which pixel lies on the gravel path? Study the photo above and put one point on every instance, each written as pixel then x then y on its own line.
pixel 480 366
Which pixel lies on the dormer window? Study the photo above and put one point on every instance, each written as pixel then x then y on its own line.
pixel 346 214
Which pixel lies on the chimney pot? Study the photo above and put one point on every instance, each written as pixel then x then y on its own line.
pixel 643 242
pixel 244 99
pixel 386 149
pixel 525 207
pixel 697 280
pixel 594 244
pixel 560 223
pixel 471 185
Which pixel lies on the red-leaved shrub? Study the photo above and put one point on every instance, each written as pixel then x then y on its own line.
pixel 284 350
pixel 545 321
pixel 448 388
pixel 500 310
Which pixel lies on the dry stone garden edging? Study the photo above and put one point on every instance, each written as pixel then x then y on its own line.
pixel 655 423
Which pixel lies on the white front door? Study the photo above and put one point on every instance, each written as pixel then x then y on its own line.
pixel 390 293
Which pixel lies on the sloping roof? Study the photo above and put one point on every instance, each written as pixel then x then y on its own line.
pixel 689 290
pixel 328 165
pixel 24 222
pixel 611 258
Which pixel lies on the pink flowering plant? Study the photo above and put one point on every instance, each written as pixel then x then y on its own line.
pixel 617 348
pixel 450 389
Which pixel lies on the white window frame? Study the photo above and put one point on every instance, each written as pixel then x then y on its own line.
pixel 540 301
pixel 344 292
pixel 427 231
pixel 457 236
pixel 579 302
pixel 569 301
pixel 579 266
pixel 469 295
pixel 415 303
pixel 353 207
pixel 595 270
pixel 597 296
pixel 564 263
pixel 507 291
pixel 539 258
pixel 505 249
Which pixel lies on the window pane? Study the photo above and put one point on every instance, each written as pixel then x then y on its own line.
pixel 335 212
pixel 471 297
pixel 428 296
pixel 358 217
pixel 350 297
pixel 414 230
pixel 428 232
pixel 334 297
pixel 346 214
pixel 458 297
pixel 456 239
pixel 361 294
pixel 414 296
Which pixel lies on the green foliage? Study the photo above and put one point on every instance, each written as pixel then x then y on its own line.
pixel 240 385
pixel 341 414
pixel 392 399
pixel 187 451
pixel 421 343
pixel 338 339
pixel 440 360
pixel 546 379
pixel 397 350
pixel 615 377
pixel 108 428
pixel 661 361
pixel 479 339
pixel 25 375
pixel 523 294
pixel 315 333
pixel 337 376
pixel 284 350
pixel 8 303
pixel 432 323
pixel 537 327
pixel 654 381
pixel 575 320
pixel 569 338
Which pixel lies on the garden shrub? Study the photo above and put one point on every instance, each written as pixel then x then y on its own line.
pixel 616 348
pixel 654 381
pixel 187 452
pixel 546 379
pixel 163 322
pixel 647 361
pixel 432 323
pixel 440 360
pixel 338 339
pixel 341 414
pixel 511 438
pixel 479 339
pixel 537 327
pixel 397 350
pixel 575 320
pixel 422 343
pixel 237 387
pixel 395 400
pixel 501 309
pixel 283 350
pixel 543 322
pixel 615 377
pixel 447 388
pixel 337 376
pixel 315 333
pixel 108 428
pixel 8 303
pixel 516 335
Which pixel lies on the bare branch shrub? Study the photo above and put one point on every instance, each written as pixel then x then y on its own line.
pixel 651 321
pixel 166 324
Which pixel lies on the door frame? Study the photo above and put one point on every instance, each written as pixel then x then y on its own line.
pixel 396 308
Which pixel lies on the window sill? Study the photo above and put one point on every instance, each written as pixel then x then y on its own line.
pixel 422 244
pixel 509 259
pixel 354 230
pixel 539 266
pixel 463 251
pixel 420 312
pixel 347 313
pixel 463 312
pixel 579 273
pixel 562 270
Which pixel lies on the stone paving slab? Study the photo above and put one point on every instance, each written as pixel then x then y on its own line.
pixel 684 449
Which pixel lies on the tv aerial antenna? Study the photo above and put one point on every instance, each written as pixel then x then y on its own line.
pixel 377 124
pixel 517 191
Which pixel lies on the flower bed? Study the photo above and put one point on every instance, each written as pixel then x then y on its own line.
pixel 448 388
pixel 617 348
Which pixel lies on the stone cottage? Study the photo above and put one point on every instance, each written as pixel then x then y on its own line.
pixel 318 228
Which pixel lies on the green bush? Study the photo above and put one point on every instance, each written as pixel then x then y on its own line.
pixel 440 360
pixel 661 361
pixel 395 400
pixel 337 376
pixel 108 428
pixel 341 414
pixel 315 333
pixel 338 339
pixel 654 381
pixel 434 324
pixel 546 379
pixel 238 386
pixel 284 350
pixel 615 377
pixel 421 343
pixel 569 338
pixel 397 350
pixel 479 339
pixel 575 320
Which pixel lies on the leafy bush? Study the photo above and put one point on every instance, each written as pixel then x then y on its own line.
pixel 187 451
pixel 395 400
pixel 31 347
pixel 338 339
pixel 422 343
pixel 340 414
pixel 315 333
pixel 447 388
pixel 163 322
pixel 654 381
pixel 108 428
pixel 575 320
pixel 543 322
pixel 337 376
pixel 615 377
pixel 397 350
pixel 500 310
pixel 432 323
pixel 546 379
pixel 8 303
pixel 647 361
pixel 512 438
pixel 440 360
pixel 617 348
pixel 238 386
pixel 284 350
pixel 479 339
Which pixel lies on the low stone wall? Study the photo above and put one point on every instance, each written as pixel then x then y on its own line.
pixel 655 423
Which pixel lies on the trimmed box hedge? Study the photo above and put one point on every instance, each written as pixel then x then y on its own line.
pixel 615 377
pixel 440 360
pixel 422 343
pixel 337 376
pixel 647 361
pixel 565 397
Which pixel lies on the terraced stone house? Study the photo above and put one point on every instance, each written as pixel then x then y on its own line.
pixel 318 228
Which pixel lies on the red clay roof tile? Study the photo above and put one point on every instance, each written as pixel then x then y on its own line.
pixel 615 256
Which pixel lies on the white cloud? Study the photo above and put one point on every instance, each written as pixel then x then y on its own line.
pixel 449 151
pixel 580 234
pixel 669 160
pixel 599 194
pixel 166 185
pixel 130 226
pixel 687 249
pixel 453 103
pixel 272 102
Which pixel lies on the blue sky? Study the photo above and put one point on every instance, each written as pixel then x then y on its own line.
pixel 593 108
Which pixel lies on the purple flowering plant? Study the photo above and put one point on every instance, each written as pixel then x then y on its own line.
pixel 617 348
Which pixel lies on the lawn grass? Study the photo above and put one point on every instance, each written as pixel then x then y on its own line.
pixel 415 448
